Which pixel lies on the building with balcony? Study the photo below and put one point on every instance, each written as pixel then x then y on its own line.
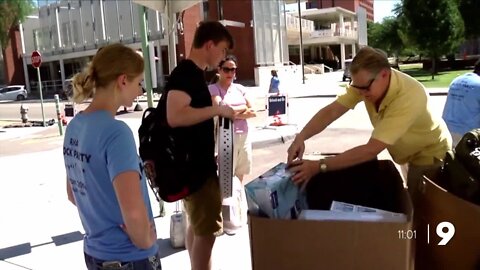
pixel 68 34
pixel 351 5
pixel 330 36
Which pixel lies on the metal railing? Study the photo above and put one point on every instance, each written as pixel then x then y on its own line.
pixel 49 87
pixel 293 24
pixel 332 33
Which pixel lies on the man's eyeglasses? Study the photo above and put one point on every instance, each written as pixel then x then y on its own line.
pixel 364 88
pixel 227 70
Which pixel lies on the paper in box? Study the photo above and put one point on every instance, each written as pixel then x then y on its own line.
pixel 274 194
pixel 352 212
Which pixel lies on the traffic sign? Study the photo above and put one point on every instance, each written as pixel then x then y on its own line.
pixel 277 105
pixel 36 62
pixel 36 59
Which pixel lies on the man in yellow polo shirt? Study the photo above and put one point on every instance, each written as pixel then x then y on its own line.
pixel 398 109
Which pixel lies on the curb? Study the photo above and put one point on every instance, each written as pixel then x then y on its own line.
pixel 274 141
pixel 277 135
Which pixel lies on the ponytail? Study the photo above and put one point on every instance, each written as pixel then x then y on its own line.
pixel 108 63
pixel 83 84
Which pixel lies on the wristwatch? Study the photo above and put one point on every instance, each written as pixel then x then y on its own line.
pixel 322 165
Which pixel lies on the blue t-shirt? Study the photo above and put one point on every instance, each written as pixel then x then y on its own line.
pixel 462 108
pixel 274 85
pixel 97 148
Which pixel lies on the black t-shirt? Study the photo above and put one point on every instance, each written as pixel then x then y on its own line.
pixel 188 77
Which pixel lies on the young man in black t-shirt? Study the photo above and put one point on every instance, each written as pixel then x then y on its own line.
pixel 189 108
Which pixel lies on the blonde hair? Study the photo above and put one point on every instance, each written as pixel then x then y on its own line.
pixel 108 63
pixel 369 59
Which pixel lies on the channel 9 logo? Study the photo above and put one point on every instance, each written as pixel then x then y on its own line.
pixel 445 230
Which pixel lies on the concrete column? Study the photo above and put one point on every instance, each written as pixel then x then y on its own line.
pixel 354 50
pixel 313 52
pixel 159 62
pixel 25 74
pixel 341 25
pixel 342 55
pixel 53 72
pixel 24 61
pixel 59 34
pixel 352 29
pixel 172 43
pixel 102 14
pixel 62 72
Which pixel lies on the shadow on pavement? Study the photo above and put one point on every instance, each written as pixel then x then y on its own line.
pixel 166 249
pixel 63 239
pixel 26 248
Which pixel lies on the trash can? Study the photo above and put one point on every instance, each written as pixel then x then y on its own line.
pixel 69 110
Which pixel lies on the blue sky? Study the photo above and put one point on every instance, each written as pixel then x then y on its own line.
pixel 383 8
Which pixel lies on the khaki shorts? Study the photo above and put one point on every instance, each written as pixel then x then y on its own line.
pixel 242 154
pixel 204 209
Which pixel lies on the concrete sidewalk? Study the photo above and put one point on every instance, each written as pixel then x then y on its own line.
pixel 41 230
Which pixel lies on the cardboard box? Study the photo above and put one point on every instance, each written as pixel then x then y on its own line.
pixel 436 205
pixel 305 244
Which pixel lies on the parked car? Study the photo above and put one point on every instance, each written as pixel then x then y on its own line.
pixel 393 61
pixel 13 92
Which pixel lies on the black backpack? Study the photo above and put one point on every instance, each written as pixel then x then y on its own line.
pixel 165 155
pixel 461 169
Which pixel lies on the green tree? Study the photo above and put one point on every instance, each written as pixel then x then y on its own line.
pixel 11 13
pixel 470 13
pixel 388 38
pixel 389 35
pixel 434 26
pixel 373 34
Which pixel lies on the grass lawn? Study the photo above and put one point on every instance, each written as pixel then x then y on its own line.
pixel 442 79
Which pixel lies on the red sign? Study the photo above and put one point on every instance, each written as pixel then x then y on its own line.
pixel 36 59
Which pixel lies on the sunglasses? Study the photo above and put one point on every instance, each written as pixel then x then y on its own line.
pixel 227 70
pixel 142 85
pixel 364 88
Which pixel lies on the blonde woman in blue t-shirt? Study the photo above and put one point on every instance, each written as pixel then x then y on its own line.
pixel 105 178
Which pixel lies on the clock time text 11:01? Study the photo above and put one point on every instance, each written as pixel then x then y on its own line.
pixel 445 230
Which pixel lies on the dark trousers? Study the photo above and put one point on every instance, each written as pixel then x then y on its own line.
pixel 151 263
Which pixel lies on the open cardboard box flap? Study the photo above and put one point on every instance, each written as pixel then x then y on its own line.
pixel 436 205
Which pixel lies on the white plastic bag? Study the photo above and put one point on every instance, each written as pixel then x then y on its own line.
pixel 234 210
pixel 178 227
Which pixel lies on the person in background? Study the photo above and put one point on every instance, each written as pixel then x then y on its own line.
pixel 397 105
pixel 274 83
pixel 105 178
pixel 462 108
pixel 190 111
pixel 225 91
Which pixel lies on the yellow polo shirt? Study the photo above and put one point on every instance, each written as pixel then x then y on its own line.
pixel 404 121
